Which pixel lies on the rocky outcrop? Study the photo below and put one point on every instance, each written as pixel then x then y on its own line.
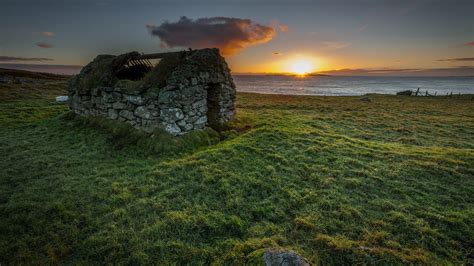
pixel 185 91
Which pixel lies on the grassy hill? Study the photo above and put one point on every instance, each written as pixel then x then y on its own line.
pixel 33 85
pixel 338 179
pixel 30 74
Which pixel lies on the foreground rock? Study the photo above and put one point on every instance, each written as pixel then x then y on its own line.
pixel 274 257
pixel 62 99
pixel 185 91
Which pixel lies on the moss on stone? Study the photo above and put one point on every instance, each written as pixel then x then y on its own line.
pixel 96 73
pixel 130 86
pixel 102 71
pixel 157 76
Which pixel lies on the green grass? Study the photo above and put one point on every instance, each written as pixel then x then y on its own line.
pixel 337 179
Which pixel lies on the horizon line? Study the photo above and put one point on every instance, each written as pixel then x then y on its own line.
pixel 466 71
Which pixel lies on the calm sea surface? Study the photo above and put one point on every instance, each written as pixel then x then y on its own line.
pixel 320 85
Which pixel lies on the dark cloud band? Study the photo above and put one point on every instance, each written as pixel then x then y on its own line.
pixel 22 59
pixel 461 59
pixel 44 45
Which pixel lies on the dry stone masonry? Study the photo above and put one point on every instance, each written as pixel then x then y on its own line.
pixel 185 91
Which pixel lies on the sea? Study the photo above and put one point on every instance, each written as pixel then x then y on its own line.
pixel 350 86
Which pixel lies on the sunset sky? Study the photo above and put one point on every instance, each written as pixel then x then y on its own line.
pixel 255 36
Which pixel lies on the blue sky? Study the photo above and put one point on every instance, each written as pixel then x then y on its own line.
pixel 330 34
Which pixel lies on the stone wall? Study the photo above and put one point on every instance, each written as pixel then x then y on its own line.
pixel 197 92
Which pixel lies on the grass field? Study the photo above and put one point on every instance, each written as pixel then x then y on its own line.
pixel 337 179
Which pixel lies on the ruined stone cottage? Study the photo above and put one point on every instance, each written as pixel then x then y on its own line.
pixel 178 91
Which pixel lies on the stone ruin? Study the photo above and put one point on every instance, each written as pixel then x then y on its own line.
pixel 184 91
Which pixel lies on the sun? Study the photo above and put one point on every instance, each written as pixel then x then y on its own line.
pixel 301 66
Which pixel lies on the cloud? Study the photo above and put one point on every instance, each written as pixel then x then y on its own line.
pixel 363 27
pixel 48 33
pixel 44 45
pixel 17 59
pixel 413 72
pixel 460 59
pixel 283 27
pixel 469 43
pixel 336 45
pixel 45 33
pixel 229 34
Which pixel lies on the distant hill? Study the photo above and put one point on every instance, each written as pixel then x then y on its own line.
pixel 30 74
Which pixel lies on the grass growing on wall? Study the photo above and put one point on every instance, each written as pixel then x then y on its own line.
pixel 337 179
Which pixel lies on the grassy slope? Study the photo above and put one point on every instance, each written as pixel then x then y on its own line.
pixel 32 75
pixel 335 178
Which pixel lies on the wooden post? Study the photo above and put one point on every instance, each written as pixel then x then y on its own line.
pixel 417 91
pixel 426 93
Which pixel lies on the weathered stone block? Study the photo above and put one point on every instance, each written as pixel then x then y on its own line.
pixel 181 123
pixel 166 97
pixel 171 114
pixel 172 128
pixel 142 112
pixel 200 103
pixel 119 105
pixel 273 257
pixel 188 127
pixel 138 100
pixel 201 120
pixel 107 98
pixel 112 114
pixel 126 114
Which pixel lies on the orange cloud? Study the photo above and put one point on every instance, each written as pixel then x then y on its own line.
pixel 469 43
pixel 230 35
pixel 48 33
pixel 283 28
pixel 45 33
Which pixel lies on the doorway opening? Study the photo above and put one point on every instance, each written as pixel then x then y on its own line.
pixel 213 108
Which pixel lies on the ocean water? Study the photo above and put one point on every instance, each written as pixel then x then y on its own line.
pixel 345 86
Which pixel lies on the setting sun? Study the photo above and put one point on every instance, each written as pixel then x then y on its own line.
pixel 301 67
